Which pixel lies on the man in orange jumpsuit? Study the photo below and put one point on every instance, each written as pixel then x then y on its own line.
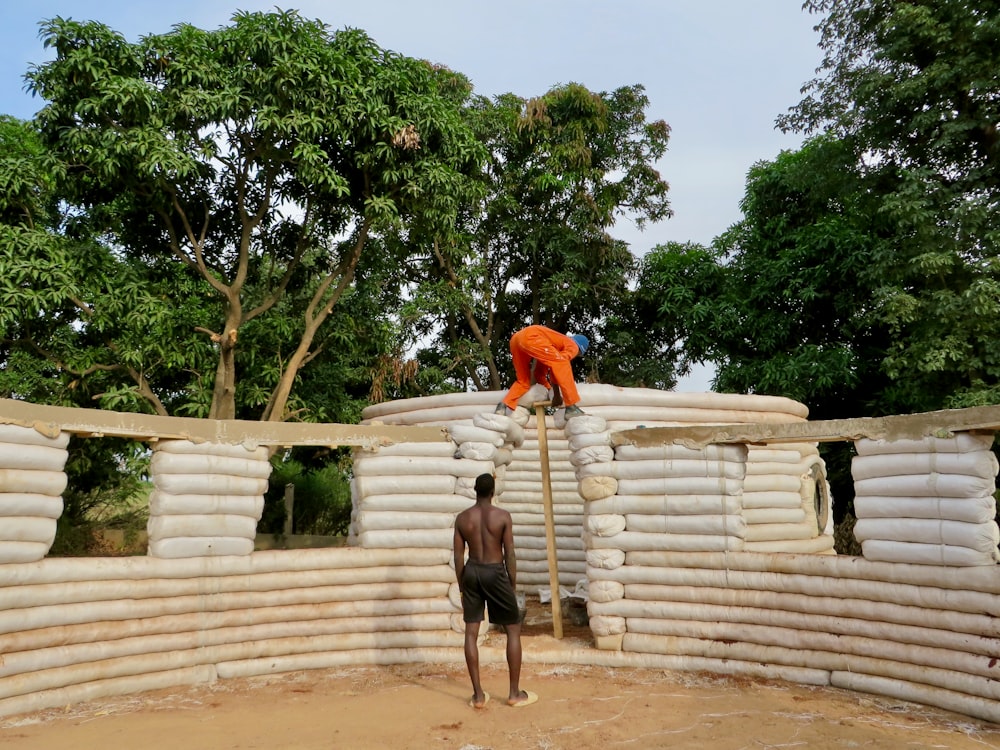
pixel 552 352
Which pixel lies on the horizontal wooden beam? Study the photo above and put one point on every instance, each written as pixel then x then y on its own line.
pixel 942 423
pixel 51 420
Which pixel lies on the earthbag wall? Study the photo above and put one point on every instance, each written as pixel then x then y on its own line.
pixel 79 629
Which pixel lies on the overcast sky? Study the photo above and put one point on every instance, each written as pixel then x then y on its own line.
pixel 718 71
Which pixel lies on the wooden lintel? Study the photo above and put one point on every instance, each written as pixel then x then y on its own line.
pixel 51 420
pixel 944 423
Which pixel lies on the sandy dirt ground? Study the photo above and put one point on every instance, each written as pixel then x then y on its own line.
pixel 425 707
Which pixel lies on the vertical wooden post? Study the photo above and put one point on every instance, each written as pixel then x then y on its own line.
pixel 550 524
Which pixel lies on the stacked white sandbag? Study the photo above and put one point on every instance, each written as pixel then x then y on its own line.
pixel 408 495
pixel 671 498
pixel 628 408
pixel 786 500
pixel 207 498
pixel 32 480
pixel 927 501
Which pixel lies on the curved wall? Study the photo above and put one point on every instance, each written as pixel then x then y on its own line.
pixel 75 629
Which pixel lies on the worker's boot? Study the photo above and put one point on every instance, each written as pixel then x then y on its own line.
pixel 502 408
pixel 573 411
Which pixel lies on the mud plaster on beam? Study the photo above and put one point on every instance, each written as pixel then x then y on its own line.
pixel 943 424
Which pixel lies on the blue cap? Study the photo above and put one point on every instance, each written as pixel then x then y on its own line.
pixel 581 341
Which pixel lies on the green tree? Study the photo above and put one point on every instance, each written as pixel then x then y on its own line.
pixel 676 294
pixel 538 247
pixel 913 85
pixel 241 177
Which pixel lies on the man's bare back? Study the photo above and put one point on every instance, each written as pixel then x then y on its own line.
pixel 483 528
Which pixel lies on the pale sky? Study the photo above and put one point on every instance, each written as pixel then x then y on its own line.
pixel 718 71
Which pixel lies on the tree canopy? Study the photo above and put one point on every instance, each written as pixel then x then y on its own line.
pixel 913 88
pixel 538 246
pixel 238 180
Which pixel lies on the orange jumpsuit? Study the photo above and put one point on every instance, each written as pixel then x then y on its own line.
pixel 552 352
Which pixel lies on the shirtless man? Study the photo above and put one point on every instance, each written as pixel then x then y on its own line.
pixel 488 579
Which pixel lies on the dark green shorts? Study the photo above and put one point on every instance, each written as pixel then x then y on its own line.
pixel 487 585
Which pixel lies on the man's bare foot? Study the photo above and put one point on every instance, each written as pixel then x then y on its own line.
pixel 523 698
pixel 479 701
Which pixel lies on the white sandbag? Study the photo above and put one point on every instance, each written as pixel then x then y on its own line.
pixel 605 591
pixel 674 505
pixel 28 529
pixel 630 541
pixel 212 525
pixel 589 439
pixel 478 451
pixel 166 504
pixel 539 542
pixel 597 488
pixel 767 532
pixel 924 554
pixel 208 484
pixel 592 454
pixel 383 466
pixel 777 499
pixel 33 457
pixel 814 546
pixel 730 525
pixel 569 531
pixel 372 520
pixel 969 509
pixel 601 625
pixel 501 423
pixel 558 445
pixel 671 452
pixel 472 434
pixel 982 537
pixel 605 559
pixel 257 453
pixel 772 483
pixel 774 515
pixel 421 502
pixel 30 504
pixel 774 454
pixel 20 435
pixel 191 463
pixel 918 692
pixel 604 525
pixel 22 552
pixel 537 519
pixel 202 546
pixel 676 468
pixel 776 467
pixel 961 442
pixel 679 486
pixel 32 482
pixel 438 449
pixel 979 464
pixel 566 566
pixel 503 457
pixel 400 538
pixel 584 424
pixel 560 486
pixel 929 485
pixel 603 469
pixel 427 484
